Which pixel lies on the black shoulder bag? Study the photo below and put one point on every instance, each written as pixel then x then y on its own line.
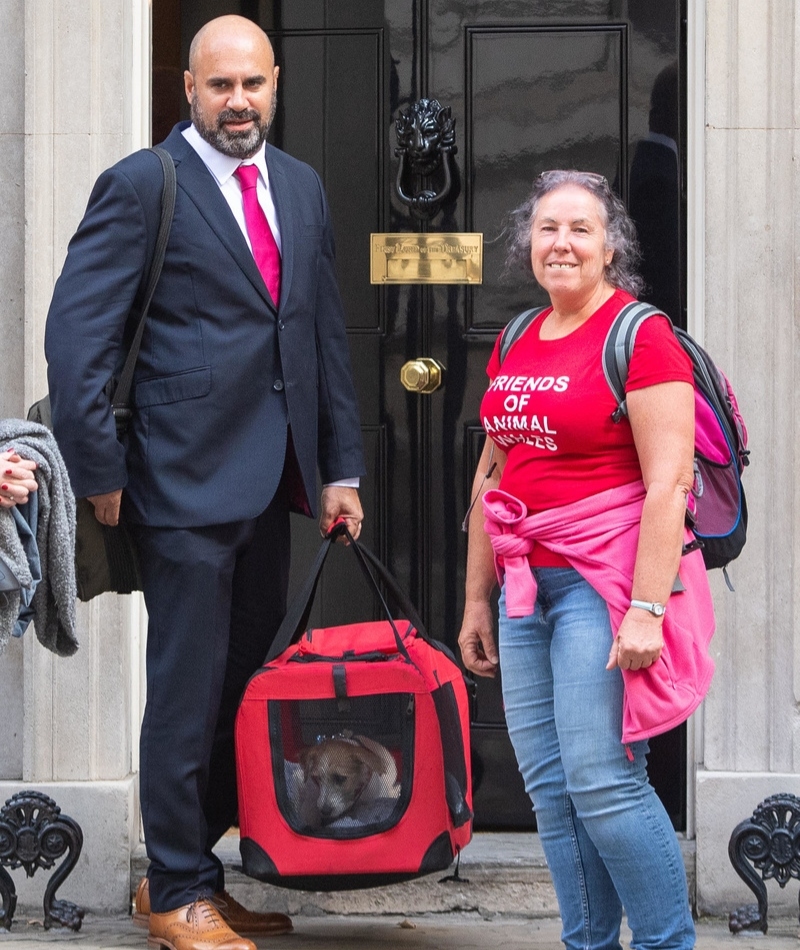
pixel 106 557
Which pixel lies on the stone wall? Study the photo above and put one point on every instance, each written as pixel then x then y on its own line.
pixel 12 319
pixel 82 65
pixel 750 722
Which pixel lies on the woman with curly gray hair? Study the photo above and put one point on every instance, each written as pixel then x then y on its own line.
pixel 620 231
pixel 585 527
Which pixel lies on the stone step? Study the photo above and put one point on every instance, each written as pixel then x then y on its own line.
pixel 499 873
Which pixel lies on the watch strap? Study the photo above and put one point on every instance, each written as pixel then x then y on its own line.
pixel 656 609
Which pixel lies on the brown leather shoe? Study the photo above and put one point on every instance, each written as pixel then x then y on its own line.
pixel 238 918
pixel 246 921
pixel 196 926
pixel 141 904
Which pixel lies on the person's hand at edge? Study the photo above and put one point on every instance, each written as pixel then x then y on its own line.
pixel 16 478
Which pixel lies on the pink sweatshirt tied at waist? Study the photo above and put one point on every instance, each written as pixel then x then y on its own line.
pixel 599 537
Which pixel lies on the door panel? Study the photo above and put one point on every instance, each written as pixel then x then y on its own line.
pixel 569 88
pixel 531 85
pixel 341 134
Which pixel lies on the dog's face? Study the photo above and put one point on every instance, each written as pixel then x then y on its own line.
pixel 338 772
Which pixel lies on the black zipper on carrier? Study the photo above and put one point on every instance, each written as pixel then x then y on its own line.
pixel 349 656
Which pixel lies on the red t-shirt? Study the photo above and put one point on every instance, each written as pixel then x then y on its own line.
pixel 549 408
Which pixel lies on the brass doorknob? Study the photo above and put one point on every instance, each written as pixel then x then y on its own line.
pixel 422 375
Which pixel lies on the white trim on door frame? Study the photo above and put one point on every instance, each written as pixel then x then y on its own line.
pixel 695 279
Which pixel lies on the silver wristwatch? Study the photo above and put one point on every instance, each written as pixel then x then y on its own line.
pixel 657 610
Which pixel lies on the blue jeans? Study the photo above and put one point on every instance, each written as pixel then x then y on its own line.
pixel 606 836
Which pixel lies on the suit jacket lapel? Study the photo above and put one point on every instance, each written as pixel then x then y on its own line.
pixel 282 198
pixel 199 184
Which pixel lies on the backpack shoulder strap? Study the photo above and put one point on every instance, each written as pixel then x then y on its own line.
pixel 618 349
pixel 514 329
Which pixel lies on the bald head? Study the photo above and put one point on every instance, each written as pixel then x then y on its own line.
pixel 231 85
pixel 223 32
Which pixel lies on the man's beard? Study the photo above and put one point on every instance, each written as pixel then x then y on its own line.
pixel 235 144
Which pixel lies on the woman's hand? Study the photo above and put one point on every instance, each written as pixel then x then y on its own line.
pixel 477 641
pixel 638 643
pixel 662 420
pixel 16 479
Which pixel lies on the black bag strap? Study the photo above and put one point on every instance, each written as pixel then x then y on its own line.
pixel 617 352
pixel 514 329
pixel 121 399
pixel 296 619
pixel 618 349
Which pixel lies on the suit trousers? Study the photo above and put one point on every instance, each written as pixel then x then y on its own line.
pixel 215 598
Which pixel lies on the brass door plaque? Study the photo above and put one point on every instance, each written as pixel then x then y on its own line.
pixel 426 258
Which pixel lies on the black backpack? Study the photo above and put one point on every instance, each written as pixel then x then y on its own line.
pixel 716 507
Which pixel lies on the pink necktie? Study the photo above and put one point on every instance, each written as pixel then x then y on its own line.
pixel 265 250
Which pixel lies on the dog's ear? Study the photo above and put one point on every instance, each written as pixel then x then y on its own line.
pixel 361 771
pixel 368 749
pixel 372 760
pixel 308 759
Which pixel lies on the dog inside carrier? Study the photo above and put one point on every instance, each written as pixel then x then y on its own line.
pixel 343 769
pixel 352 747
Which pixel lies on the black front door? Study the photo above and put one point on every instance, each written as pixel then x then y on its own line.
pixel 589 84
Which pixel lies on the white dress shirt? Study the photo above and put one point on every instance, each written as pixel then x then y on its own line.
pixel 222 167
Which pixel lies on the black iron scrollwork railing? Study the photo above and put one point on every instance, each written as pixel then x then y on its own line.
pixel 769 843
pixel 426 135
pixel 33 835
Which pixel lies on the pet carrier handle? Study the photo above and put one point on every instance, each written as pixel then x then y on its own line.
pixel 296 619
pixel 396 593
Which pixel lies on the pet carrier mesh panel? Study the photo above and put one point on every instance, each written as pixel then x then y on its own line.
pixel 346 767
pixel 352 755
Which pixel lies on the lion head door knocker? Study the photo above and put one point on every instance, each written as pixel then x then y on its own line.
pixel 426 135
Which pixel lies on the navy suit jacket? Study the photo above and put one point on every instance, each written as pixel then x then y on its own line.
pixel 221 373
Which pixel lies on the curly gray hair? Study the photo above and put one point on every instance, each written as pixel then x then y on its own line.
pixel 620 230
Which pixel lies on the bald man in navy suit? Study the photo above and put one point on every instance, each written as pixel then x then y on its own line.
pixel 238 399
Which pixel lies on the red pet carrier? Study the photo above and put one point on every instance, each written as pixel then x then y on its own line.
pixel 352 749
